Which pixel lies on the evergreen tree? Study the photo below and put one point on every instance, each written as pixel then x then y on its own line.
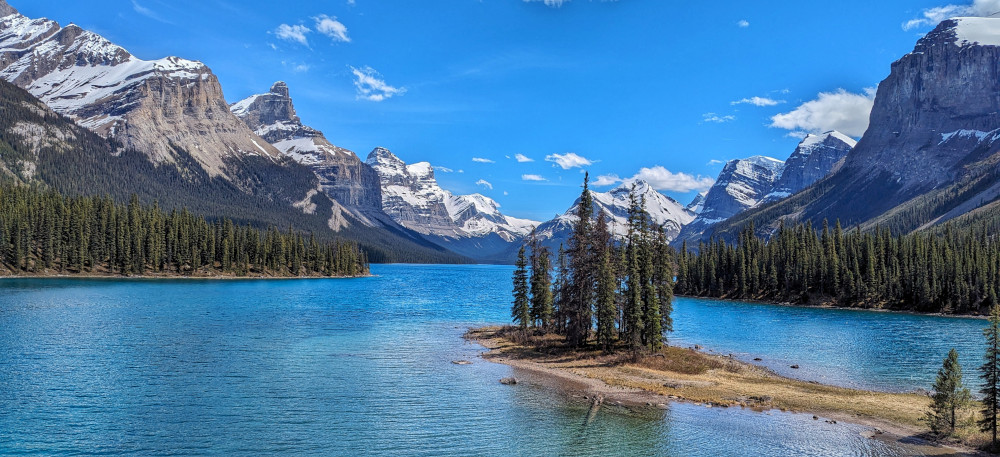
pixel 950 396
pixel 606 285
pixel 580 297
pixel 521 311
pixel 633 316
pixel 541 284
pixel 990 374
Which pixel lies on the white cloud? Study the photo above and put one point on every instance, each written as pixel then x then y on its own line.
pixel 301 68
pixel 148 13
pixel 932 16
pixel 484 183
pixel 712 117
pixel 482 160
pixel 743 23
pixel 662 179
pixel 569 160
pixel 552 3
pixel 607 180
pixel 715 162
pixel 523 158
pixel 841 110
pixel 505 193
pixel 443 169
pixel 332 28
pixel 532 178
pixel 758 101
pixel 296 33
pixel 370 85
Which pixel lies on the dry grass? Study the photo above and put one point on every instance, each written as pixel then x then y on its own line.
pixel 690 375
pixel 703 378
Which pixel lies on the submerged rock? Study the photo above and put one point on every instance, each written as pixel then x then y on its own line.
pixel 461 362
pixel 508 381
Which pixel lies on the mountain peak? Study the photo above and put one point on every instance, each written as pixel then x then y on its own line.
pixel 830 138
pixel 640 185
pixel 380 154
pixel 6 10
pixel 279 88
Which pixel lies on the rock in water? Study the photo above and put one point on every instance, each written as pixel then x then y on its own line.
pixel 508 381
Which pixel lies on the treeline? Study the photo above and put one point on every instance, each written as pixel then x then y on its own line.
pixel 951 271
pixel 614 292
pixel 74 161
pixel 45 232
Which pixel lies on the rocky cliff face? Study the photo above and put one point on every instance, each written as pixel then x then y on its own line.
pixel 342 175
pixel 697 203
pixel 931 146
pixel 936 109
pixel 930 150
pixel 814 158
pixel 152 106
pixel 468 224
pixel 741 185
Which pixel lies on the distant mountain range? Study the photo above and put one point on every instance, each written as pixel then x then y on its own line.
pixel 471 225
pixel 87 117
pixel 748 183
pixel 930 153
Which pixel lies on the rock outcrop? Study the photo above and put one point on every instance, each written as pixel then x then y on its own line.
pixel 930 149
pixel 471 225
pixel 342 175
pixel 741 185
pixel 815 157
pixel 154 106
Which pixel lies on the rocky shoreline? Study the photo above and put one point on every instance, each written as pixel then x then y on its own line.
pixel 606 380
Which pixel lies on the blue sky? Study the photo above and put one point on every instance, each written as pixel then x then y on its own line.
pixel 622 85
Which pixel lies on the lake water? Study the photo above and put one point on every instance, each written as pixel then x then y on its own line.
pixel 363 367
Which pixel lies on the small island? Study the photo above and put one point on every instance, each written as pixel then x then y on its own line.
pixel 599 321
pixel 652 379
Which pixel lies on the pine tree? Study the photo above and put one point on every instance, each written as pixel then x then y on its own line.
pixel 990 374
pixel 950 396
pixel 521 311
pixel 606 285
pixel 541 284
pixel 560 291
pixel 579 300
pixel 633 305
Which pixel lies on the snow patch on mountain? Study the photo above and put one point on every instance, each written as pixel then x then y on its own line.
pixel 981 31
pixel 92 70
pixel 981 136
pixel 412 197
pixel 663 210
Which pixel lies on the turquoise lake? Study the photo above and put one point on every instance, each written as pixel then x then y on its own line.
pixel 363 367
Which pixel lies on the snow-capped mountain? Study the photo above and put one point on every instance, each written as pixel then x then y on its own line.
pixel 663 210
pixel 930 152
pixel 815 157
pixel 468 224
pixel 154 106
pixel 342 175
pixel 697 203
pixel 741 185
